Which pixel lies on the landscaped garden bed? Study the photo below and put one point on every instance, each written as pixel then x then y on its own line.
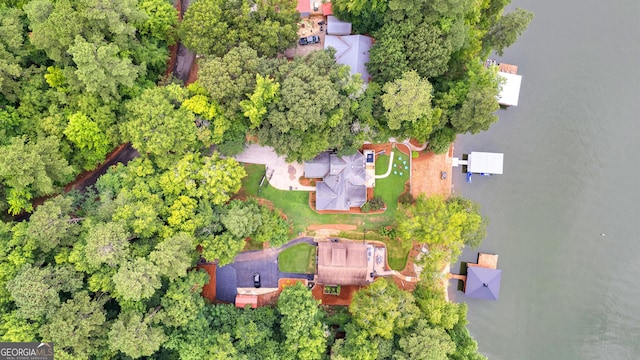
pixel 332 290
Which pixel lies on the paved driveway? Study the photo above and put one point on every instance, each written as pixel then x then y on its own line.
pixel 239 274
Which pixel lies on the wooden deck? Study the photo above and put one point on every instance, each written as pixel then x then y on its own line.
pixel 489 261
pixel 508 68
pixel 463 278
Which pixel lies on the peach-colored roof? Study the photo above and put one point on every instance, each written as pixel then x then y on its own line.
pixel 508 68
pixel 303 6
pixel 243 300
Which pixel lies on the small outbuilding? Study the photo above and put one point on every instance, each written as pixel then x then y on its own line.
pixel 510 89
pixel 485 163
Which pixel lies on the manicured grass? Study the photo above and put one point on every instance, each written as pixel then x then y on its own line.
pixel 300 258
pixel 392 186
pixel 295 204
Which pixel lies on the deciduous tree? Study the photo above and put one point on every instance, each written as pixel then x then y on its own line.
pixel 255 108
pixel 241 219
pixel 366 16
pixel 107 243
pixel 92 142
pixel 13 50
pixel 161 21
pixel 182 303
pixel 157 126
pixel 223 248
pixel 229 78
pixel 31 168
pixel 50 223
pixel 382 309
pixel 449 224
pixel 313 113
pixel 77 327
pixel 213 27
pixel 425 343
pixel 101 68
pixel 407 100
pixel 303 333
pixel 174 256
pixel 35 291
pixel 137 280
pixel 134 335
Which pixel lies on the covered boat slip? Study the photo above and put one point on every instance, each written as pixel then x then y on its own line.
pixel 484 163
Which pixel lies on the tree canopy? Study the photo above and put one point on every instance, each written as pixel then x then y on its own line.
pixel 213 27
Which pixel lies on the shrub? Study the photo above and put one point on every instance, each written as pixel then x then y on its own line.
pixel 389 232
pixel 406 198
pixel 376 203
pixel 366 207
pixel 415 154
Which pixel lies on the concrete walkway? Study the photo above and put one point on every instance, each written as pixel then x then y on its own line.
pixel 389 169
pixel 281 174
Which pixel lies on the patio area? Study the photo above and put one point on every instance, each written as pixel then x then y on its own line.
pixel 280 174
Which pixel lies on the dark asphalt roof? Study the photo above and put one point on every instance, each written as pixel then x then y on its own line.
pixel 483 283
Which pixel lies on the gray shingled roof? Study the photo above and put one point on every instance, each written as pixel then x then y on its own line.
pixel 483 283
pixel 343 184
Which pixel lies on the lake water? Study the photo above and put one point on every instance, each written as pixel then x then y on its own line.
pixel 571 173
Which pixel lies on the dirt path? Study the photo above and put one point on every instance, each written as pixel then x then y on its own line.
pixel 122 154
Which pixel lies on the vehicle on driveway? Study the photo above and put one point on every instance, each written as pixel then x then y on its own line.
pixel 314 39
pixel 256 280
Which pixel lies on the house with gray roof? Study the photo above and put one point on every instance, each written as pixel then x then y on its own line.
pixel 344 180
pixel 351 50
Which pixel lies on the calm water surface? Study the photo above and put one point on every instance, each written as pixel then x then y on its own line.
pixel 571 173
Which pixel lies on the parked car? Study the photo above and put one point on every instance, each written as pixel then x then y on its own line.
pixel 256 280
pixel 314 39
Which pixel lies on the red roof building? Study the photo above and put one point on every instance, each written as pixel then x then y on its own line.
pixel 327 9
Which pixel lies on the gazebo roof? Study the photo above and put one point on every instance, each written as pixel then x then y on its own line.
pixel 483 283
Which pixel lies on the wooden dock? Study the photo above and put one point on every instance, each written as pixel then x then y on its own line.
pixel 508 68
pixel 489 261
pixel 463 278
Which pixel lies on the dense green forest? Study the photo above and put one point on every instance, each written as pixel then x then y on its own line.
pixel 108 272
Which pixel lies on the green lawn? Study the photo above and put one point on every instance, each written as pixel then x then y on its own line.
pixel 300 258
pixel 295 204
pixel 392 186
